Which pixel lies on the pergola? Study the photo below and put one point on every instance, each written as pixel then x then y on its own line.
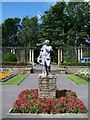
pixel 20 49
pixel 31 52
pixel 79 52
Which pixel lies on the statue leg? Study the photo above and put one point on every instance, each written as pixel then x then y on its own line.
pixel 43 66
pixel 49 68
pixel 46 68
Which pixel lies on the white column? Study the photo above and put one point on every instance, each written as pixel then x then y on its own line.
pixel 81 52
pixel 58 56
pixel 32 55
pixel 61 55
pixel 30 59
pixel 78 54
pixel 11 50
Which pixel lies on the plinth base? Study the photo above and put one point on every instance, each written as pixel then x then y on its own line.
pixel 47 86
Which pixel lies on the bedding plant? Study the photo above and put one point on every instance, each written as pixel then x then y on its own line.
pixel 5 75
pixel 66 101
pixel 84 74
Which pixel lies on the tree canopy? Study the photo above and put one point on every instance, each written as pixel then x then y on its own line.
pixel 61 24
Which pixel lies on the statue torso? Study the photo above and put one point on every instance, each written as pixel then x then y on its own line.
pixel 45 51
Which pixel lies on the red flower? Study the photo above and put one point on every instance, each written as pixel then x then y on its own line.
pixel 85 78
pixel 51 111
pixel 28 101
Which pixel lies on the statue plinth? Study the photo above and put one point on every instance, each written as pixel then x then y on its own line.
pixel 47 86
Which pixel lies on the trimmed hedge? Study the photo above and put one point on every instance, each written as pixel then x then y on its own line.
pixel 15 63
pixel 74 64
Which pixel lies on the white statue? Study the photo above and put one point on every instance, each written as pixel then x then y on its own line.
pixel 44 57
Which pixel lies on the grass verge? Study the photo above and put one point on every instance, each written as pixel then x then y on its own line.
pixel 76 79
pixel 15 80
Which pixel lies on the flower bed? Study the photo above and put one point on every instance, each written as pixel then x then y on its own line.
pixel 5 76
pixel 84 75
pixel 66 101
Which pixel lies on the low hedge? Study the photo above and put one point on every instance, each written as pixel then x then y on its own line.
pixel 15 63
pixel 74 64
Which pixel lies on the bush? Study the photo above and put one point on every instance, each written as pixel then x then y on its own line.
pixel 10 57
pixel 69 59
pixel 15 63
pixel 74 64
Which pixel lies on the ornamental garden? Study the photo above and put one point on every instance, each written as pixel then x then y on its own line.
pixel 67 27
pixel 28 100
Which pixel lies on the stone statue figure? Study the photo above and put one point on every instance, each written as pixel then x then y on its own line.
pixel 44 57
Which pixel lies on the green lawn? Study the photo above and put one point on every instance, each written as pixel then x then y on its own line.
pixel 76 79
pixel 15 80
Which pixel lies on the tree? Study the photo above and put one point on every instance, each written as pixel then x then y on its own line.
pixel 53 24
pixel 29 34
pixel 61 24
pixel 10 29
pixel 78 16
pixel 64 22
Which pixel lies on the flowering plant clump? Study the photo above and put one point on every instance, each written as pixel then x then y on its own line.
pixel 29 102
pixel 84 74
pixel 5 75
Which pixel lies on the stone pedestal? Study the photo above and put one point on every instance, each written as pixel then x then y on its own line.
pixel 47 86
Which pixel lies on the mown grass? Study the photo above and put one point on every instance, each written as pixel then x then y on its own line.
pixel 15 80
pixel 77 80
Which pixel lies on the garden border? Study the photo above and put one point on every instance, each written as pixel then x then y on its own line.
pixel 48 115
pixel 8 78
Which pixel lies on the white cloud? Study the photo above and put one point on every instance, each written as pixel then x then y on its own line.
pixel 39 14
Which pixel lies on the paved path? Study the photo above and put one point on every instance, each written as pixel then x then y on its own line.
pixel 53 67
pixel 10 93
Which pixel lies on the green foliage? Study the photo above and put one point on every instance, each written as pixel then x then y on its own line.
pixel 16 80
pixel 64 21
pixel 74 64
pixel 52 24
pixel 15 63
pixel 10 28
pixel 29 35
pixel 61 24
pixel 10 57
pixel 77 80
pixel 66 101
pixel 70 59
pixel 84 74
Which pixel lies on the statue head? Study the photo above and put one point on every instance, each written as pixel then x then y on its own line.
pixel 46 42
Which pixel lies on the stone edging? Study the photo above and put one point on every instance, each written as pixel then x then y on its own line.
pixel 41 114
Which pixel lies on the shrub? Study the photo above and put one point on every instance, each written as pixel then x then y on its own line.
pixel 10 57
pixel 84 74
pixel 15 63
pixel 74 64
